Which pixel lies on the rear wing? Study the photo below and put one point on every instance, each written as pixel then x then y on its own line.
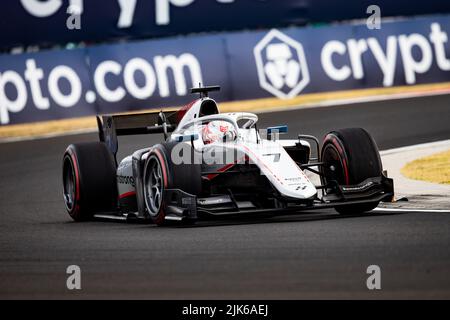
pixel 112 126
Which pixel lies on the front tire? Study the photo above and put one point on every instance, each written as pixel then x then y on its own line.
pixel 155 182
pixel 160 173
pixel 89 180
pixel 351 156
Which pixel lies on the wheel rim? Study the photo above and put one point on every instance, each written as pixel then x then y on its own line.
pixel 154 187
pixel 333 168
pixel 69 184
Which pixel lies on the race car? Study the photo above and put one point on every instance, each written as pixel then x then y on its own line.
pixel 212 164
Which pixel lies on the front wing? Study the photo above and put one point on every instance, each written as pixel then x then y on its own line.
pixel 182 205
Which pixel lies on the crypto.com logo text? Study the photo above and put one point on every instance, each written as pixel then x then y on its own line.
pixel 47 8
pixel 43 85
pixel 281 65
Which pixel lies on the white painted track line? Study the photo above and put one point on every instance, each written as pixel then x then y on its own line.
pixel 378 209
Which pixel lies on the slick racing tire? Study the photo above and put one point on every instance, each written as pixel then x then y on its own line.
pixel 89 180
pixel 160 173
pixel 354 156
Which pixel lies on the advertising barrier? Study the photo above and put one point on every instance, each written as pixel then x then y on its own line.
pixel 279 63
pixel 48 22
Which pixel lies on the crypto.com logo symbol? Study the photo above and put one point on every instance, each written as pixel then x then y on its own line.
pixel 281 65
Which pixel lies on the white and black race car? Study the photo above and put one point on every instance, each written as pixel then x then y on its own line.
pixel 213 164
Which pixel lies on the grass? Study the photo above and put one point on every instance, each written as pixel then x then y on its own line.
pixel 434 168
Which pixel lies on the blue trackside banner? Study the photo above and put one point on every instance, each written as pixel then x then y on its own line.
pixel 48 22
pixel 281 63
pixel 153 74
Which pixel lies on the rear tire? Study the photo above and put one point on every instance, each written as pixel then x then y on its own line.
pixel 161 173
pixel 89 180
pixel 354 155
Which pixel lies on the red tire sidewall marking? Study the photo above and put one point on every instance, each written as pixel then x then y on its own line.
pixel 163 166
pixel 76 208
pixel 343 157
pixel 162 215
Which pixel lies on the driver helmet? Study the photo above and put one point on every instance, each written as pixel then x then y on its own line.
pixel 218 130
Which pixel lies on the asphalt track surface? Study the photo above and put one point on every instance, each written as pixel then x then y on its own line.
pixel 313 255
